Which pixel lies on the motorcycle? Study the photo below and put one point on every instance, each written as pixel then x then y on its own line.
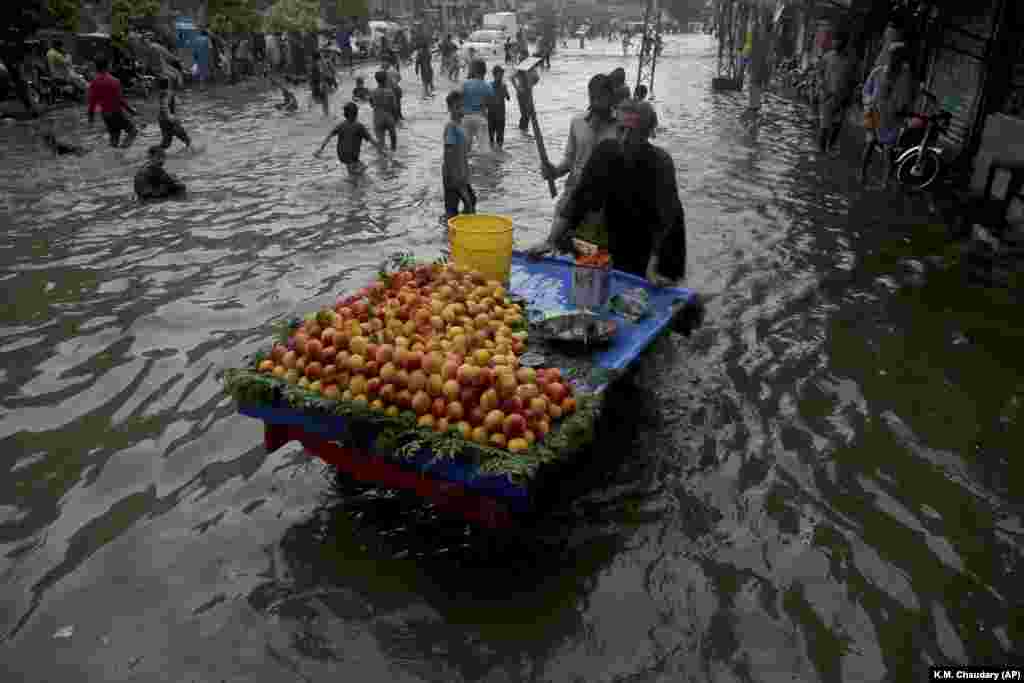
pixel 919 161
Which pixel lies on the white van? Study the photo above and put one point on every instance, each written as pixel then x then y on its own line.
pixel 505 21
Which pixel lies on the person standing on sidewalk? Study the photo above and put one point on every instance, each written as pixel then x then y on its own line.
pixel 835 76
pixel 888 94
pixel 106 95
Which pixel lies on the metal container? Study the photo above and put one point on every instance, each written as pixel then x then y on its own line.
pixel 591 286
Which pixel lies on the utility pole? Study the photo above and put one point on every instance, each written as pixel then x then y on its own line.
pixel 648 59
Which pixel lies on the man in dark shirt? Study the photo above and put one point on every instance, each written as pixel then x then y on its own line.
pixel 153 182
pixel 635 183
pixel 351 133
pixel 106 95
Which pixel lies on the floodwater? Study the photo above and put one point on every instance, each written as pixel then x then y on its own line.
pixel 815 486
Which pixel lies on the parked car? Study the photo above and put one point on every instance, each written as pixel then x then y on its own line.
pixel 485 44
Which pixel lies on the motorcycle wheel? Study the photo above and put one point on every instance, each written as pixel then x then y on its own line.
pixel 931 166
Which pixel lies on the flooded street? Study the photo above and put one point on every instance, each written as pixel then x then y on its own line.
pixel 816 486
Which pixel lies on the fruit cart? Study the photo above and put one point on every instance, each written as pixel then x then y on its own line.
pixel 401 443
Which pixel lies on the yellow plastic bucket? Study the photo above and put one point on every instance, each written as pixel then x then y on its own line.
pixel 483 242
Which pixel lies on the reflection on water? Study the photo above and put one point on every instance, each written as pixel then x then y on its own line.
pixel 817 485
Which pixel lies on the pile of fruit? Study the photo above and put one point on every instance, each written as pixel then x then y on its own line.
pixel 437 340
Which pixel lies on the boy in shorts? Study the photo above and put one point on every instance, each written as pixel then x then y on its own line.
pixel 351 133
pixel 360 93
pixel 455 167
pixel 385 110
pixel 170 126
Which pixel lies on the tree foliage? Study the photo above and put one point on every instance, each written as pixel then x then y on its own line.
pixel 121 11
pixel 64 13
pixel 687 10
pixel 294 16
pixel 338 10
pixel 229 17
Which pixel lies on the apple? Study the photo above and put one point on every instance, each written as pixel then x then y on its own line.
pixel 268 366
pixel 402 378
pixel 313 348
pixel 468 375
pixel 554 411
pixel 526 376
pixel 327 336
pixel 498 440
pixel 456 358
pixel 553 374
pixel 341 360
pixel 342 379
pixel 417 381
pixel 385 353
pixel 518 445
pixel 507 384
pixel 485 378
pixel 480 435
pixel 512 405
pixel 556 391
pixel 387 393
pixel 343 310
pixel 451 390
pixel 371 351
pixel 435 385
pixel 455 411
pixel 469 396
pixel 494 420
pixel 300 364
pixel 277 352
pixel 331 392
pixel 387 372
pixel 377 404
pixel 538 407
pixel 421 402
pixel 464 428
pixel 289 359
pixel 315 386
pixel 530 437
pixel 373 386
pixel 528 392
pixel 357 385
pixel 439 408
pixel 425 421
pixel 433 362
pixel 371 368
pixel 327 354
pixel 568 406
pixel 514 425
pixel 360 308
pixel 403 399
pixel 441 425
pixel 356 364
pixel 329 373
pixel 391 411
pixel 313 370
pixel 413 360
pixel 449 370
pixel 489 400
pixel 279 371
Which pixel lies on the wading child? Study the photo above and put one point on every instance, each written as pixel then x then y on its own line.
pixel 496 109
pixel 153 182
pixel 360 93
pixel 475 94
pixel 455 167
pixel 170 127
pixel 351 134
pixel 290 102
pixel 382 99
pixel 393 79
